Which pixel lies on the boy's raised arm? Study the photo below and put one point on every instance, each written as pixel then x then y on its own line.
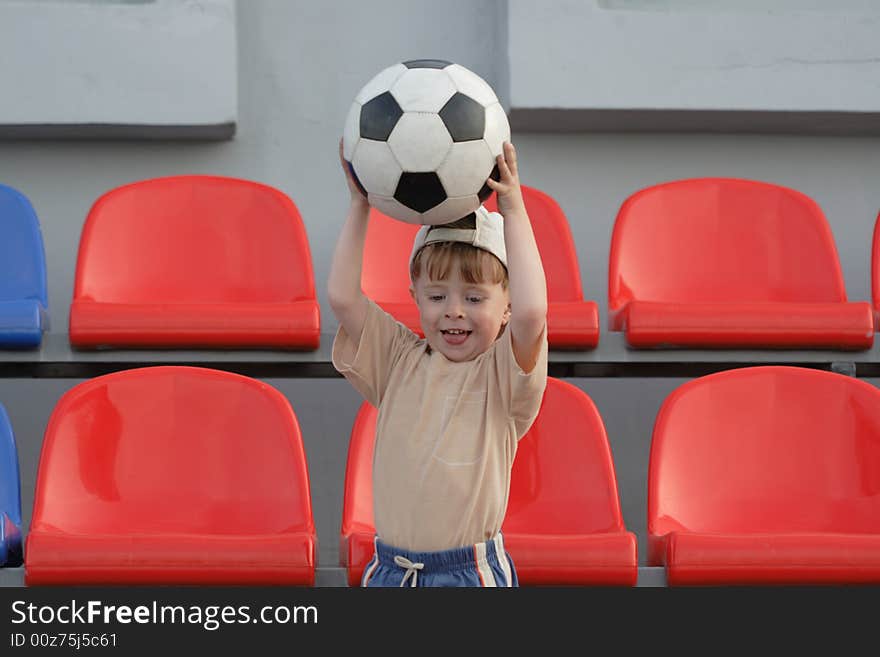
pixel 344 293
pixel 528 286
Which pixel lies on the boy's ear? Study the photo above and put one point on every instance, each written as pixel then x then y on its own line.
pixel 412 292
pixel 506 317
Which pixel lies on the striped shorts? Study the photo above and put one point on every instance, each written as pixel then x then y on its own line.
pixel 483 564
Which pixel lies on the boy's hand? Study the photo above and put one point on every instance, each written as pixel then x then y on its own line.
pixel 357 196
pixel 508 188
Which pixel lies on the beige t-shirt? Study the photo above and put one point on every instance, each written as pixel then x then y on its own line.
pixel 446 433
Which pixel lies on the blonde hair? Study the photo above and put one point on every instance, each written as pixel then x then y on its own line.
pixel 473 263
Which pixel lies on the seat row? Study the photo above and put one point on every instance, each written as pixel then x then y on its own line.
pixel 186 475
pixel 213 262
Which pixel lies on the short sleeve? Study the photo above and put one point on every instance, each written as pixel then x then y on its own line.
pixel 367 364
pixel 521 392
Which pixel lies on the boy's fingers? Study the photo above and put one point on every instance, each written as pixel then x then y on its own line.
pixel 503 169
pixel 510 156
pixel 497 186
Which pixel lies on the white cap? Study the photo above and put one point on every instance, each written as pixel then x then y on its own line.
pixel 488 235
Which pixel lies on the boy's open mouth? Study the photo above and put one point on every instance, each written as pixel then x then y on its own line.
pixel 455 336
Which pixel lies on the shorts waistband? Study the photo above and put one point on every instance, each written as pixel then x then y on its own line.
pixel 442 560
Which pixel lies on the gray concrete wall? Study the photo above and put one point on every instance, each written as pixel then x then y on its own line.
pixel 108 69
pixel 300 64
pixel 720 65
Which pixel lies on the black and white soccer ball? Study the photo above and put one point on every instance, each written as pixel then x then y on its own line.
pixel 421 139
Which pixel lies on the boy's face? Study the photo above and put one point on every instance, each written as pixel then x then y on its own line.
pixel 461 320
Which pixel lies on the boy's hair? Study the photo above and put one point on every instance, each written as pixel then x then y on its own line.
pixel 473 262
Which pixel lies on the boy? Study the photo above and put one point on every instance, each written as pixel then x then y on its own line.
pixel 453 405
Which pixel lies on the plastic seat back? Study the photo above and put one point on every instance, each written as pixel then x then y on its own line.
pixel 563 479
pixel 23 290
pixel 169 452
pixel 194 261
pixel 875 273
pixel 10 496
pixel 555 244
pixel 385 274
pixel 357 504
pixel 194 239
pixel 765 450
pixel 710 240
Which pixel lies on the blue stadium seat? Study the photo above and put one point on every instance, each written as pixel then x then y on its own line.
pixel 23 297
pixel 10 496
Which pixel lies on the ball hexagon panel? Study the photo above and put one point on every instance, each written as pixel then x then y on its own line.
pixel 376 167
pixel 464 117
pixel 423 90
pixel 420 142
pixel 497 128
pixel 420 191
pixel 351 130
pixel 471 84
pixel 451 209
pixel 381 83
pixel 379 116
pixel 388 205
pixel 466 168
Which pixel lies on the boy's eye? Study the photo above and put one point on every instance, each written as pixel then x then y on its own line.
pixel 435 297
pixel 475 299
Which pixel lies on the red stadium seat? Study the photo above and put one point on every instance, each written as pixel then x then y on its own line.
pixel 767 475
pixel 172 475
pixel 194 261
pixel 356 537
pixel 563 522
pixel 572 323
pixel 875 273
pixel 385 272
pixel 717 262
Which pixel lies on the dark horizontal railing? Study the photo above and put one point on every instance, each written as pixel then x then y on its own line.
pixel 612 358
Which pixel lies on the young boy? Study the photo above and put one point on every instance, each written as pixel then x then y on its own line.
pixel 453 405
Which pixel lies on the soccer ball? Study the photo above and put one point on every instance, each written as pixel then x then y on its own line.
pixel 421 140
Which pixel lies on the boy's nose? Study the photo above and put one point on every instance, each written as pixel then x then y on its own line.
pixel 454 310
